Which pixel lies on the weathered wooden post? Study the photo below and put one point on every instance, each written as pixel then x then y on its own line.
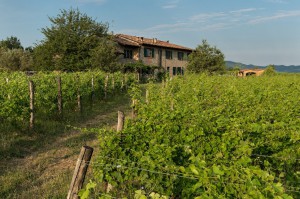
pixel 134 104
pixel 147 96
pixel 31 104
pixel 7 81
pixel 59 95
pixel 105 86
pixel 80 172
pixel 78 95
pixel 93 89
pixel 121 119
pixel 120 126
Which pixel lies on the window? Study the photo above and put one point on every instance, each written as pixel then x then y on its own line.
pixel 169 54
pixel 178 71
pixel 148 52
pixel 127 54
pixel 168 70
pixel 180 55
pixel 174 71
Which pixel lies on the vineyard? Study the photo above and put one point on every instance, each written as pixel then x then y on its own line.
pixel 26 112
pixel 49 87
pixel 204 137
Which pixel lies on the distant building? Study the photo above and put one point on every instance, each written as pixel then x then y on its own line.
pixel 171 57
pixel 248 72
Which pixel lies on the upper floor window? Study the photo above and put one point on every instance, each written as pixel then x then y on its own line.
pixel 148 52
pixel 169 54
pixel 128 54
pixel 180 55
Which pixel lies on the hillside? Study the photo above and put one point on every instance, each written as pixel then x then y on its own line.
pixel 279 68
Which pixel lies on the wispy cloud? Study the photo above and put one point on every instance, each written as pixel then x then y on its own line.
pixel 215 21
pixel 92 1
pixel 171 4
pixel 277 1
pixel 280 15
pixel 245 10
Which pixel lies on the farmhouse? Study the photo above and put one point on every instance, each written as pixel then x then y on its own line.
pixel 248 72
pixel 171 57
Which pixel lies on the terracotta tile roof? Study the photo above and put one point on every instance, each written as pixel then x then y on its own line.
pixel 139 41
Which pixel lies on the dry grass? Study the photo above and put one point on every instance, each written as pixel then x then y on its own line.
pixel 46 172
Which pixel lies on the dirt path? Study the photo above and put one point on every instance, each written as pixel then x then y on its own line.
pixel 47 172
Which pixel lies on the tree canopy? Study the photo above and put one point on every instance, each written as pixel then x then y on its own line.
pixel 11 43
pixel 206 59
pixel 70 41
pixel 13 56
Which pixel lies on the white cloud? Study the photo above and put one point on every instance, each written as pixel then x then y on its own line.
pixel 280 15
pixel 244 10
pixel 92 1
pixel 277 1
pixel 171 4
pixel 215 21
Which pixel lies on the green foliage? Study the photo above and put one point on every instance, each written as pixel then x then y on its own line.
pixel 206 59
pixel 85 193
pixel 270 70
pixel 104 56
pixel 14 91
pixel 202 136
pixel 15 59
pixel 11 43
pixel 70 41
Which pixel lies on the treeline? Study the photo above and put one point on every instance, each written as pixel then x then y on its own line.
pixel 77 42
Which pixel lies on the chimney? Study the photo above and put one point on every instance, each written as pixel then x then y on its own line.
pixel 154 40
pixel 142 38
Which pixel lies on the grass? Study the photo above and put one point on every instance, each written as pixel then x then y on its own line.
pixel 40 163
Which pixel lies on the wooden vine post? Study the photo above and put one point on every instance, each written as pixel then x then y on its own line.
pixel 147 96
pixel 93 89
pixel 31 104
pixel 134 111
pixel 105 86
pixel 7 81
pixel 59 95
pixel 121 119
pixel 120 126
pixel 80 172
pixel 78 95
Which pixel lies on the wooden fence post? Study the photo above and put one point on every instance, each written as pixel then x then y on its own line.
pixel 93 89
pixel 78 95
pixel 120 127
pixel 80 171
pixel 7 81
pixel 147 96
pixel 31 96
pixel 121 119
pixel 134 112
pixel 59 95
pixel 105 86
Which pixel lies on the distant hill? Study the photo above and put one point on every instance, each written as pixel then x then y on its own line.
pixel 278 68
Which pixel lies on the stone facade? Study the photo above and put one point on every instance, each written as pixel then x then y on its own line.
pixel 248 72
pixel 171 57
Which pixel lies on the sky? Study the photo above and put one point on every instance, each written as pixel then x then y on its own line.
pixel 258 32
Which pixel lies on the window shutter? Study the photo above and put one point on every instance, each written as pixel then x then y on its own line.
pixel 145 52
pixel 152 52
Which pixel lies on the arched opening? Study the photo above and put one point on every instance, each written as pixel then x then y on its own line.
pixel 250 73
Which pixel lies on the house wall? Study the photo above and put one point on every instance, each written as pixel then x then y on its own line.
pixel 159 58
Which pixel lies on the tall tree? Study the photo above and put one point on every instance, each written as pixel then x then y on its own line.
pixel 69 41
pixel 206 59
pixel 11 43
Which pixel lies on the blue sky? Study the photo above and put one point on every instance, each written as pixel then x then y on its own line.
pixel 256 32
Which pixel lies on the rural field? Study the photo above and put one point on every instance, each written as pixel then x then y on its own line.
pixel 191 136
